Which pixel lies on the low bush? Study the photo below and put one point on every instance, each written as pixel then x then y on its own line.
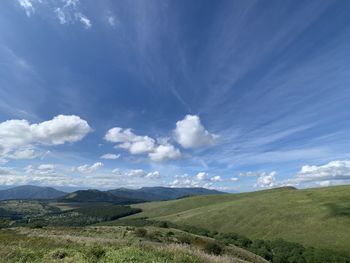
pixel 140 232
pixel 155 236
pixel 59 254
pixel 95 253
pixel 213 248
pixel 184 239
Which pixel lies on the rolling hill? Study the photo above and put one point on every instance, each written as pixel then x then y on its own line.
pixel 161 193
pixel 93 195
pixel 313 217
pixel 30 192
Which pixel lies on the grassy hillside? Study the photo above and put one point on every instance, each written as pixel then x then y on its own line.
pixel 113 244
pixel 313 217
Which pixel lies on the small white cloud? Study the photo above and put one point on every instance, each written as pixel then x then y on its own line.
pixel 250 174
pixel 110 156
pixel 70 3
pixel 266 180
pixel 119 135
pixel 142 174
pixel 88 169
pixel 153 175
pixel 234 179
pixel 216 178
pixel 202 176
pixel 28 7
pixel 112 21
pixel 135 144
pixel 83 19
pixel 61 15
pixel 190 133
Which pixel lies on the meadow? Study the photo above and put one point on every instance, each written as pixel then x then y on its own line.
pixel 317 217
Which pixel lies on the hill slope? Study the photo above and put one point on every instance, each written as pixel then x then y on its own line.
pixel 313 217
pixel 93 195
pixel 112 244
pixel 161 193
pixel 30 192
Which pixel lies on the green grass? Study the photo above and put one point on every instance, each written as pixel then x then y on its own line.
pixel 313 217
pixel 108 244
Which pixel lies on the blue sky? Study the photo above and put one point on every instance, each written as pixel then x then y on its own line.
pixel 232 95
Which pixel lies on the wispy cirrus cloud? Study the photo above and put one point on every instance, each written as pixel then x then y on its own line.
pixel 66 11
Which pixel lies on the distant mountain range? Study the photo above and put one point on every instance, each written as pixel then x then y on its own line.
pixel 30 192
pixel 161 193
pixel 120 195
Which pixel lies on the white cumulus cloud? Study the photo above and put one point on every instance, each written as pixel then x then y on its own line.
pixel 332 173
pixel 17 137
pixel 136 144
pixel 202 176
pixel 266 180
pixel 190 133
pixel 61 129
pixel 164 152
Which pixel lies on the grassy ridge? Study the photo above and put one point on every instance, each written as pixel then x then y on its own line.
pixel 313 217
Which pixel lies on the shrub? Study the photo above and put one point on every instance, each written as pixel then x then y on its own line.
pixel 155 236
pixel 184 239
pixel 140 232
pixel 95 253
pixel 59 254
pixel 163 224
pixel 213 248
pixel 36 225
pixel 170 233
